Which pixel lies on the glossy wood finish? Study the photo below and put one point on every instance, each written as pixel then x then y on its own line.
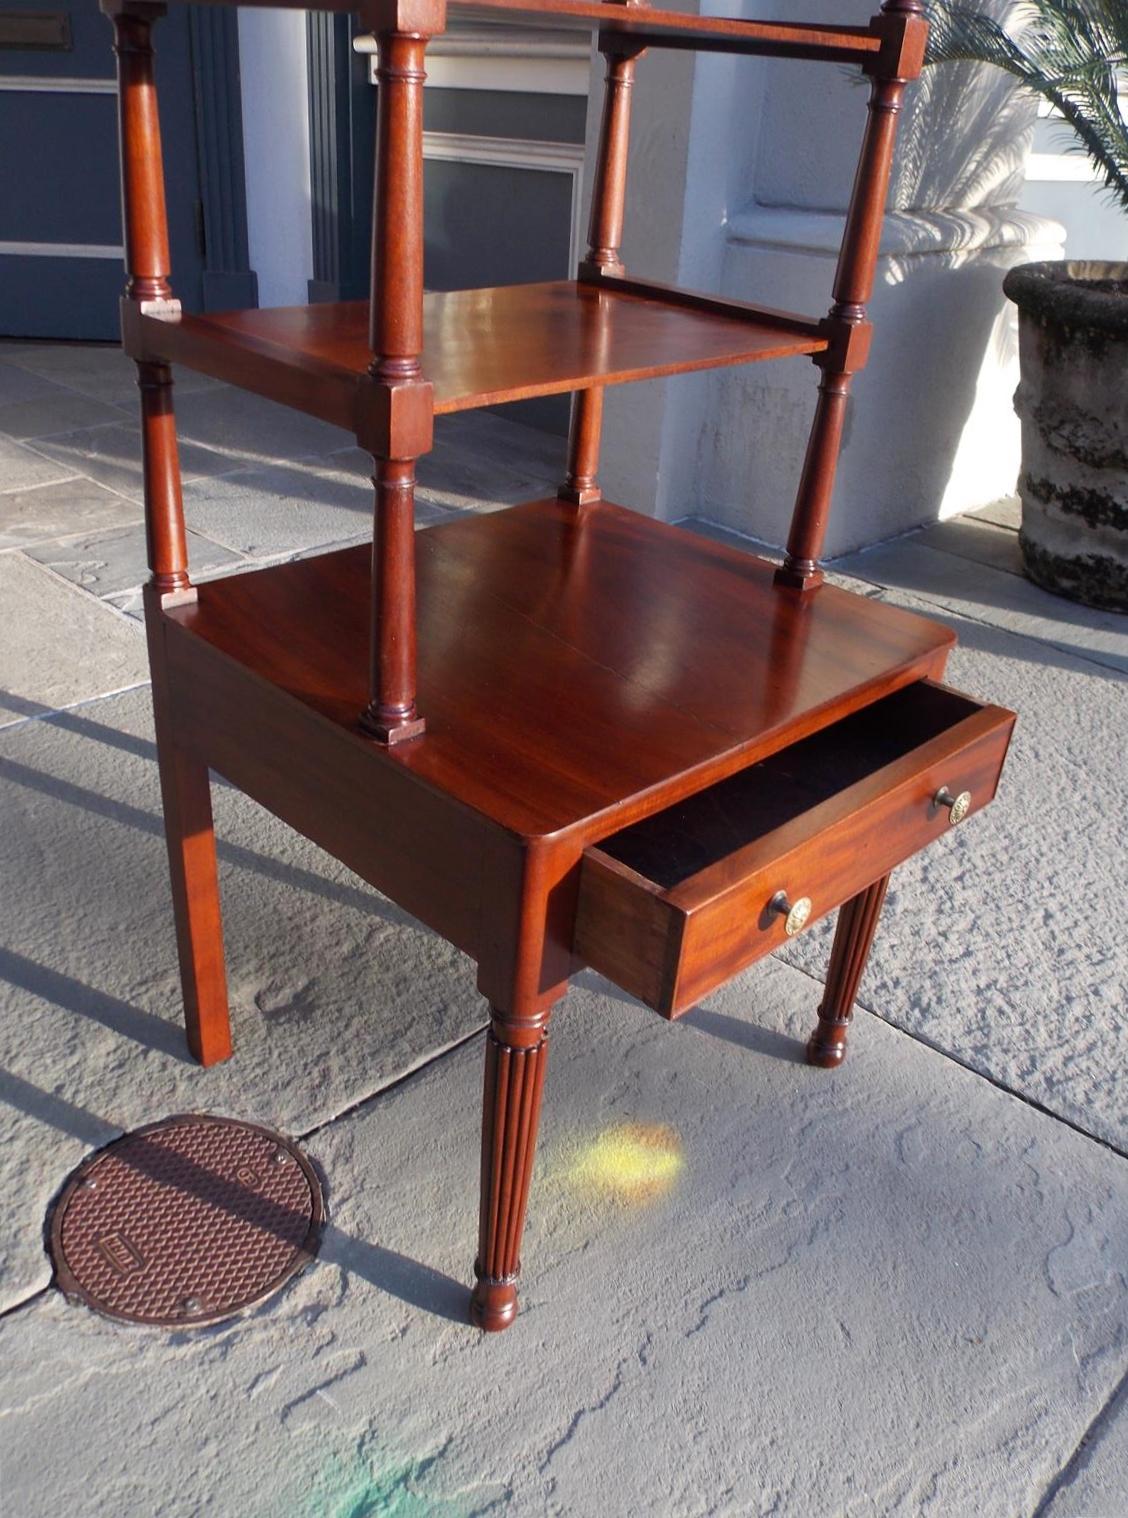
pixel 185 789
pixel 142 174
pixel 660 28
pixel 669 917
pixel 395 338
pixel 190 839
pixel 665 28
pixel 853 938
pixel 481 347
pixel 390 713
pixel 165 534
pixel 684 659
pixel 516 1056
pixel 590 678
pixel 148 266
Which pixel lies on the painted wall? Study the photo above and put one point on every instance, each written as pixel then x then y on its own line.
pixel 1064 185
pixel 760 179
pixel 272 48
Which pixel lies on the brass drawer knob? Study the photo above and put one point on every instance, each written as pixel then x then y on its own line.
pixel 797 913
pixel 958 806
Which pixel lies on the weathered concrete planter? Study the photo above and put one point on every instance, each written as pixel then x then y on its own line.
pixel 1072 401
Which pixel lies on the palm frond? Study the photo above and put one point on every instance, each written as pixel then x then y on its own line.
pixel 1073 53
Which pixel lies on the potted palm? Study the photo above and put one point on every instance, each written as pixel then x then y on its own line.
pixel 1072 399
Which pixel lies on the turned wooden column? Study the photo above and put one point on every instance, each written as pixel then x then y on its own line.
pixel 516 1055
pixel 148 268
pixel 403 398
pixel 853 938
pixel 185 788
pixel 605 235
pixel 904 32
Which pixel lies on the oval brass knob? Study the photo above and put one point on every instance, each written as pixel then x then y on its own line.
pixel 957 805
pixel 796 913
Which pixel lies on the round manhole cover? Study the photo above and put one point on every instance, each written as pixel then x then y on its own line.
pixel 186 1221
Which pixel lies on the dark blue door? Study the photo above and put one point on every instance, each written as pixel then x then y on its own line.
pixel 61 268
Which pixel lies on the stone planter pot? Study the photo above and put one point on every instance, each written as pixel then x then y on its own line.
pixel 1072 401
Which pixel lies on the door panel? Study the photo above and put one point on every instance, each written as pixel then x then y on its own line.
pixel 61 186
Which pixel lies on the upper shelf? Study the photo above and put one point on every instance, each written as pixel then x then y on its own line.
pixel 664 28
pixel 658 28
pixel 481 347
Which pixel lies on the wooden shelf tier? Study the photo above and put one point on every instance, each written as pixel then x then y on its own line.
pixel 577 671
pixel 658 28
pixel 481 347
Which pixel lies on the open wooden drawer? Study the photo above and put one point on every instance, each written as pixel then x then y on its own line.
pixel 676 904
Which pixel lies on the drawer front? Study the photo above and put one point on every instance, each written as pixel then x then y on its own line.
pixel 670 947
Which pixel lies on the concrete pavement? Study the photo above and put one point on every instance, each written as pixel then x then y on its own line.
pixel 749 1287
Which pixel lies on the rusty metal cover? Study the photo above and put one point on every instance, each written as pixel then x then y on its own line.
pixel 186 1221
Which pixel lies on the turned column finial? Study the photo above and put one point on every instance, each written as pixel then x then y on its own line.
pixel 142 171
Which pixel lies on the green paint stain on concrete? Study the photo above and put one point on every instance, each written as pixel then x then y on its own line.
pixel 369 1487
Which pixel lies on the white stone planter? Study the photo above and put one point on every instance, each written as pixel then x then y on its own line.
pixel 1072 402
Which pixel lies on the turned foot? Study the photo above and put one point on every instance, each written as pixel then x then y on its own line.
pixel 826 1046
pixel 493 1304
pixel 853 936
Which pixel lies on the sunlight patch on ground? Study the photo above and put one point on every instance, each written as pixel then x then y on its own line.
pixel 631 1162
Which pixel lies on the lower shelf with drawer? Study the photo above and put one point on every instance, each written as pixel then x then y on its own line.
pixel 676 904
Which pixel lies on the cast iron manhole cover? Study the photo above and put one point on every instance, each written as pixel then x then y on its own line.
pixel 186 1221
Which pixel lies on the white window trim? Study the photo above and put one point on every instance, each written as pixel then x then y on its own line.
pixel 517 153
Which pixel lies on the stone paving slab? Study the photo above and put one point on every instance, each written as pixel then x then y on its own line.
pixel 968 538
pixel 112 457
pixel 1007 600
pixel 750 1287
pixel 19 384
pixel 59 646
pixel 1003 942
pixel 102 370
pixel 515 445
pixel 1095 1485
pixel 41 416
pixel 265 513
pixel 716 533
pixel 1005 512
pixel 107 563
pixel 454 476
pixel 250 430
pixel 52 511
pixel 23 469
pixel 334 991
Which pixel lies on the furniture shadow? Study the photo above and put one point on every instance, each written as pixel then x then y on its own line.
pixel 398 1275
pixel 73 995
pixel 276 870
pixel 752 1036
pixel 56 1111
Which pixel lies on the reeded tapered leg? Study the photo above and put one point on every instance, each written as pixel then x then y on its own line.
pixel 857 924
pixel 515 1063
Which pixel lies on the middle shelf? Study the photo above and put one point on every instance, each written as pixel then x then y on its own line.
pixel 576 669
pixel 481 347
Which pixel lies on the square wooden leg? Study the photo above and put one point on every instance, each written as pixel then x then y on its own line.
pixel 186 791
